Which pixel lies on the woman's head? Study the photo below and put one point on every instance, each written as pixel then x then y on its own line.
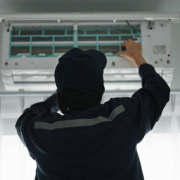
pixel 66 105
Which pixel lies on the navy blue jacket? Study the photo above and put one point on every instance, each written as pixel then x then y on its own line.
pixel 98 143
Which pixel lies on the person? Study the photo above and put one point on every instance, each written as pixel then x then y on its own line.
pixel 90 140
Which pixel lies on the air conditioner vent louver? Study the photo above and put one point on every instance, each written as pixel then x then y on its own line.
pixel 51 42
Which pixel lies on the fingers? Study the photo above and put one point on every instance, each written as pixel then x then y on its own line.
pixel 130 40
pixel 124 43
pixel 121 53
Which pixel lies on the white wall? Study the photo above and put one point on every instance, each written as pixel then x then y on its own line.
pixel 176 55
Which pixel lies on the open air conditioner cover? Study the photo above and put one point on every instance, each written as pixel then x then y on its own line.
pixel 33 43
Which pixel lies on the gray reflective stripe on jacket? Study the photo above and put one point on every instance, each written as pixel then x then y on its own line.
pixel 79 122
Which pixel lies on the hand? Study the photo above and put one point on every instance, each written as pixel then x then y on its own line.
pixel 132 52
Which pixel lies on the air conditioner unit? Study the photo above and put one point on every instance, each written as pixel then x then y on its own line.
pixel 32 43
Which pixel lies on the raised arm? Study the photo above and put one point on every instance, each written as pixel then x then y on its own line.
pixel 148 102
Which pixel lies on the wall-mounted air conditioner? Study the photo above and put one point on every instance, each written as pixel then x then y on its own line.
pixel 32 44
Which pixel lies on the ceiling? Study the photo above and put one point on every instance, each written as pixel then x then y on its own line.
pixel 8 6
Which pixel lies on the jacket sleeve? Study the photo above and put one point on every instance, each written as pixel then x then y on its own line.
pixel 145 106
pixel 24 124
pixel 148 102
